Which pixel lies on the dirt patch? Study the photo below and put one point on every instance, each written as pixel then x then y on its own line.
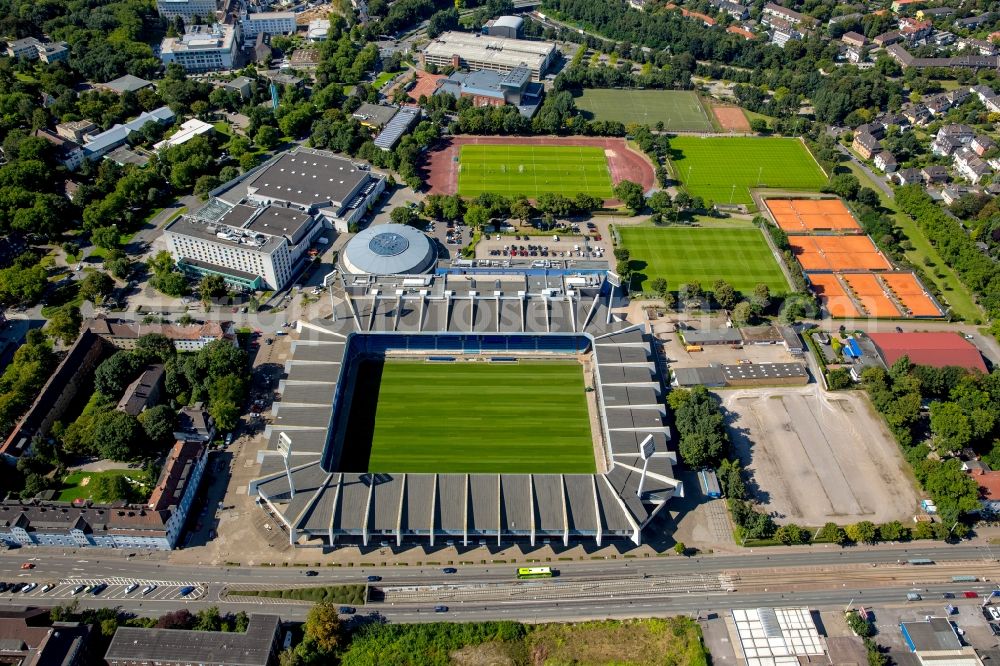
pixel 815 457
pixel 731 118
pixel 85 481
pixel 486 654
pixel 441 168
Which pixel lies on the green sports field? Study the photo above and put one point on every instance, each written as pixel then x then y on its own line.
pixel 739 256
pixel 531 170
pixel 678 110
pixel 709 167
pixel 482 418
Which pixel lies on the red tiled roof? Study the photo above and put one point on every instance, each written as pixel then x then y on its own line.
pixel 934 349
pixel 989 484
pixel 740 31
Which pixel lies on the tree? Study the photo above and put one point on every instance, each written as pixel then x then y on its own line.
pixel 105 237
pixel 742 314
pixel 115 373
pixel 403 215
pixel 64 324
pixel 759 125
pixel 839 379
pixel 631 194
pixel 110 488
pixel 116 435
pixel 322 628
pixel 791 534
pixel 680 548
pixel 950 426
pixel 724 294
pixel 154 347
pixel 894 531
pixel 96 286
pixel 476 217
pixel 832 533
pixel 844 185
pixel 868 197
pixel 659 286
pixel 863 532
pixel 158 424
pixel 267 137
pixel 225 396
pixel 211 286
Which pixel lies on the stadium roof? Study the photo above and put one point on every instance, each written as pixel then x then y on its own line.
pixel 389 249
pixel 492 315
pixel 934 349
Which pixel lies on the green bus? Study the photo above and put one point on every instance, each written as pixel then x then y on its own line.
pixel 535 572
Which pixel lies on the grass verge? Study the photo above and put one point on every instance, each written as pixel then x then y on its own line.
pixel 337 594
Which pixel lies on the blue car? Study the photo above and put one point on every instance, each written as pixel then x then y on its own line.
pixel 186 590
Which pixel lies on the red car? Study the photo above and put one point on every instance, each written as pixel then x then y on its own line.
pixel 970 595
pixel 28 565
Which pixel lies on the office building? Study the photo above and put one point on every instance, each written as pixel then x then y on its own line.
pixel 203 48
pixel 186 9
pixel 30 48
pixel 267 23
pixel 488 52
pixel 486 88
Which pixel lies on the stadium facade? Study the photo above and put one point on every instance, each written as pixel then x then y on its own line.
pixel 498 317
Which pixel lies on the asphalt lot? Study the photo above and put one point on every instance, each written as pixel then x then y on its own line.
pixel 816 457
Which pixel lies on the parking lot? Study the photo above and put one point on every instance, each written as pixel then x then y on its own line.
pixel 816 457
pixel 586 242
pixel 116 588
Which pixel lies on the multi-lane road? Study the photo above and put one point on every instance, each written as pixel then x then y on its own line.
pixel 820 577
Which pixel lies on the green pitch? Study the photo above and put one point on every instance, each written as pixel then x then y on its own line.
pixel 531 170
pixel 739 256
pixel 709 167
pixel 482 418
pixel 678 110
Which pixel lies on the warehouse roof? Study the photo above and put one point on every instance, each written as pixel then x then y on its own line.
pixel 501 51
pixel 934 349
pixel 251 648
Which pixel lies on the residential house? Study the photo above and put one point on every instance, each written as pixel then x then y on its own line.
pixel 917 114
pixel 943 38
pixel 989 489
pixel 877 130
pixel 737 10
pixel 886 162
pixel 853 16
pixel 938 104
pixel 958 95
pixel 908 176
pixel 887 38
pixel 29 637
pixel 177 486
pixel 981 46
pixel 981 144
pixel 934 174
pixel 971 166
pixel 887 120
pixel 784 34
pixel 69 153
pixel 742 32
pixel 144 392
pixel 194 424
pixel 913 30
pixel 973 22
pixel 243 85
pixel 124 334
pixel 854 39
pixel 854 55
pixel 777 11
pixel 983 92
pixel 953 193
pixel 950 138
pixel 934 12
pixel 865 145
pixel 900 5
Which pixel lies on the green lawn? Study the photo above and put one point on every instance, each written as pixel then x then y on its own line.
pixel 532 170
pixel 74 488
pixel 678 110
pixel 740 256
pixel 723 170
pixel 462 417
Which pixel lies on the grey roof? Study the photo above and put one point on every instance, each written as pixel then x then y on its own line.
pixel 933 635
pixel 397 127
pixel 712 336
pixel 706 376
pixel 375 114
pixel 389 249
pixel 764 371
pixel 309 178
pixel 127 83
pixel 252 648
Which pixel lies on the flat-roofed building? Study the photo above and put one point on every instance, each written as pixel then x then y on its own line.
pixel 489 52
pixel 187 131
pixel 268 23
pixel 30 48
pixel 203 48
pixel 257 646
pixel 186 9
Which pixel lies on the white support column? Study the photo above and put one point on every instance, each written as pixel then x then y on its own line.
pixel 336 502
pixel 562 486
pixel 531 502
pixel 499 510
pixel 368 510
pixel 434 492
pixel 465 522
pixel 597 511
pixel 399 514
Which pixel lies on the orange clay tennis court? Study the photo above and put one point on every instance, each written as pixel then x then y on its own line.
pixel 807 215
pixel 837 253
pixel 832 294
pixel 911 294
pixel 871 295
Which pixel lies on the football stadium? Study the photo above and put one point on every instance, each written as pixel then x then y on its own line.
pixel 468 409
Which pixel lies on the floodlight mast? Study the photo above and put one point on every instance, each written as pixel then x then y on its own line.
pixel 647 448
pixel 285 450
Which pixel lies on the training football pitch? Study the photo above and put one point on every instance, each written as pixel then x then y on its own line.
pixel 532 170
pixel 739 256
pixel 464 417
pixel 710 167
pixel 678 110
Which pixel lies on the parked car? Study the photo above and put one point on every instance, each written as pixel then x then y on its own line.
pixel 79 588
pixel 186 590
pixel 131 588
pixel 47 587
pixel 149 588
pixel 97 589
pixel 29 587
